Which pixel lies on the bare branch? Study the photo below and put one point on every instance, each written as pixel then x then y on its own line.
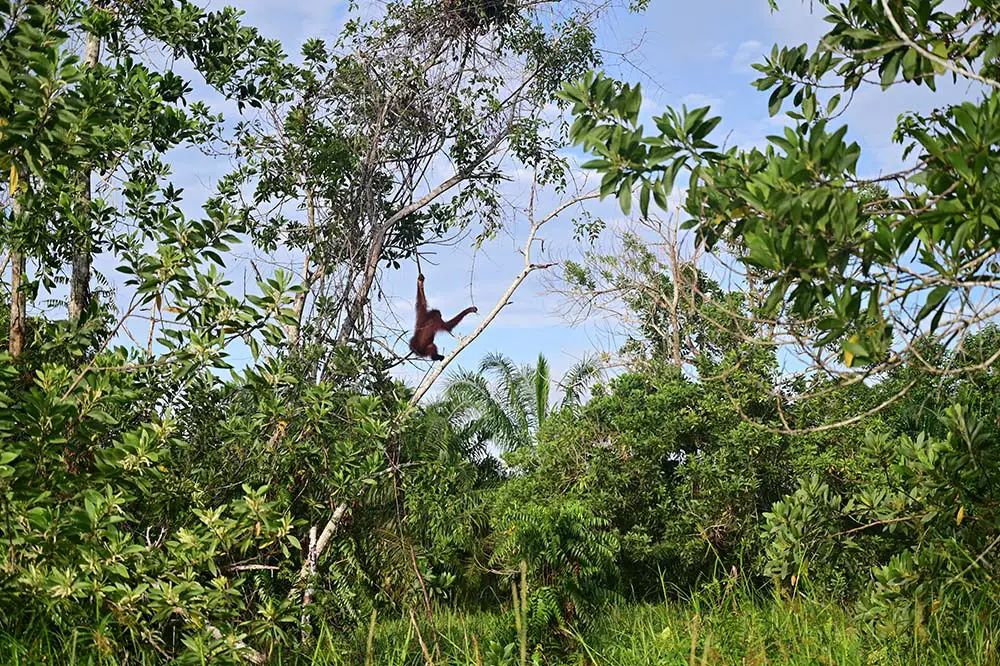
pixel 504 300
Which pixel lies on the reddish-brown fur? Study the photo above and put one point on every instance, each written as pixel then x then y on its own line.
pixel 429 322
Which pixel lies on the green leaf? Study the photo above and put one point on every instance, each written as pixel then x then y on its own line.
pixel 911 62
pixel 659 195
pixel 890 67
pixel 775 298
pixel 809 107
pixel 609 183
pixel 832 104
pixel 934 299
pixel 625 195
pixel 853 351
pixel 761 253
pixel 703 129
pixel 777 97
pixel 941 51
pixel 783 143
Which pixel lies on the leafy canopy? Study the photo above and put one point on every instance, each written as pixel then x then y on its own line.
pixel 868 263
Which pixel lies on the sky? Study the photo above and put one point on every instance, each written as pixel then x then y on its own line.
pixel 693 53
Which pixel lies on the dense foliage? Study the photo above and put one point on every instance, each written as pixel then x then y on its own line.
pixel 856 268
pixel 158 504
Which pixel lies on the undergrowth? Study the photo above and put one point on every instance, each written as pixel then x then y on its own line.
pixel 704 629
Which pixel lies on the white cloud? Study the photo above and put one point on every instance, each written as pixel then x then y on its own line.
pixel 746 54
pixel 698 100
pixel 650 107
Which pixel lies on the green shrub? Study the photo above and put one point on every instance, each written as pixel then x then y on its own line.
pixel 911 538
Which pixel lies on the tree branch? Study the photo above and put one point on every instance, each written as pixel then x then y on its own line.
pixel 503 301
pixel 943 62
pixel 378 240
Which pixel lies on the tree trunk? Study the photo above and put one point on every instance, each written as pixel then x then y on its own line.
pixel 18 305
pixel 361 298
pixel 294 331
pixel 79 285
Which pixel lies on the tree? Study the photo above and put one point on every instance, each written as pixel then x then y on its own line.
pixel 395 137
pixel 79 283
pixel 88 437
pixel 656 295
pixel 69 125
pixel 854 273
pixel 151 502
pixel 512 408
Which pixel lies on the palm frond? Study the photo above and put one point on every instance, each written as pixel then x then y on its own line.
pixel 477 405
pixel 506 403
pixel 542 379
pixel 498 364
pixel 515 388
pixel 578 379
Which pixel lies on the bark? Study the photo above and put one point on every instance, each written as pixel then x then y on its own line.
pixel 317 546
pixel 308 594
pixel 79 285
pixel 18 305
pixel 324 538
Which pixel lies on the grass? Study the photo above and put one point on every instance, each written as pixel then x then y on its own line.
pixel 700 631
pixel 755 632
pixel 697 632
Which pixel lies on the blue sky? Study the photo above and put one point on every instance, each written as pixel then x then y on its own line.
pixel 682 53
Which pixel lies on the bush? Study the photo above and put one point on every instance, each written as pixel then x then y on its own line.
pixel 910 537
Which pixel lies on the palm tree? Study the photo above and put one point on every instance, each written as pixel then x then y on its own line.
pixel 508 403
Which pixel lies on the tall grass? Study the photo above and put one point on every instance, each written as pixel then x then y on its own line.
pixel 714 627
pixel 701 630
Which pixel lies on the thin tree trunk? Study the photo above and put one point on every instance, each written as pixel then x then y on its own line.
pixel 308 594
pixel 675 301
pixel 294 331
pixel 356 307
pixel 79 285
pixel 18 304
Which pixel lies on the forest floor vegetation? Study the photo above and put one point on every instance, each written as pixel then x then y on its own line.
pixel 704 629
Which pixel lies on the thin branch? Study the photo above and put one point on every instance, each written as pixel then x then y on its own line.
pixel 504 300
pixel 978 561
pixel 879 523
pixel 943 62
pixel 378 240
